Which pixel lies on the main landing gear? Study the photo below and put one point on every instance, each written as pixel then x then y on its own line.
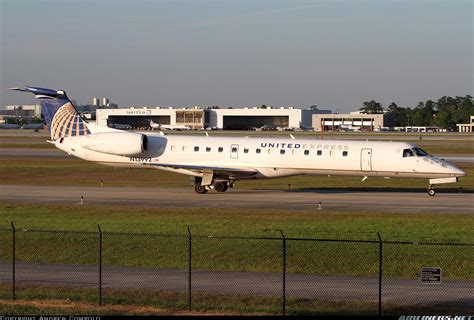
pixel 200 189
pixel 220 186
pixel 431 190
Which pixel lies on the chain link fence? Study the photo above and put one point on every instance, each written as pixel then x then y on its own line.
pixel 245 275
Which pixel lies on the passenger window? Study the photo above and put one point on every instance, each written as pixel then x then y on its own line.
pixel 282 151
pixel 270 151
pixel 246 150
pixel 408 153
pixel 306 152
pixel 172 148
pixel 184 148
pixel 208 149
pixel 258 150
pixel 320 152
pixel 220 149
pixel 196 148
pixel 293 151
pixel 344 153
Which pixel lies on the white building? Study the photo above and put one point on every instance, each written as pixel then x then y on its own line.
pixel 199 118
pixel 466 127
pixel 353 120
pixel 140 118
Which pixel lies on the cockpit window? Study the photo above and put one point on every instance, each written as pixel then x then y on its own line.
pixel 408 153
pixel 420 152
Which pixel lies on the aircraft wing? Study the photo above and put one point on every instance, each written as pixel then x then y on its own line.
pixel 229 171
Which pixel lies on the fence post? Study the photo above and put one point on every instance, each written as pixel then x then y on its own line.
pixel 13 261
pixel 284 271
pixel 100 264
pixel 190 251
pixel 380 274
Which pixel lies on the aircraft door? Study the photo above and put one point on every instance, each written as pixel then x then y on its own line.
pixel 234 151
pixel 366 160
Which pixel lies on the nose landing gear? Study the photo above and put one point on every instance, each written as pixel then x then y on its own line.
pixel 431 190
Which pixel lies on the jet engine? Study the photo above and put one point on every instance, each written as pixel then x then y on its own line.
pixel 118 143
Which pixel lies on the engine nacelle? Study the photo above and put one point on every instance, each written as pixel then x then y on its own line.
pixel 118 143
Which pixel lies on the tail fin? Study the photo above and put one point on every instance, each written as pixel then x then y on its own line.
pixel 61 116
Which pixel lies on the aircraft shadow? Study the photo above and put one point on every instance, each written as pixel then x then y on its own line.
pixel 375 189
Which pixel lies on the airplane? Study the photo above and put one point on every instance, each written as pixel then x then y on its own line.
pixel 345 127
pixel 120 126
pixel 217 162
pixel 9 126
pixel 266 127
pixel 168 126
pixel 33 126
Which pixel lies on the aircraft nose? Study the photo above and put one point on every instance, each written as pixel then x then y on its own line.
pixel 455 171
pixel 458 172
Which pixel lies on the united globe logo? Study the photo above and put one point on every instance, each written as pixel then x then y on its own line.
pixel 67 123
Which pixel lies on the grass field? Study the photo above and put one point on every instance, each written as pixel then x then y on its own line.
pixel 214 253
pixel 71 301
pixel 121 248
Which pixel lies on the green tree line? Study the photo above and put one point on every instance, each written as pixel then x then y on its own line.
pixel 444 113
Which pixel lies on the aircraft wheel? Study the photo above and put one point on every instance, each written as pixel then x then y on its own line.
pixel 221 186
pixel 431 192
pixel 200 189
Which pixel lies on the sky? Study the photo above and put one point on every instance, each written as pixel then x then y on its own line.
pixel 333 54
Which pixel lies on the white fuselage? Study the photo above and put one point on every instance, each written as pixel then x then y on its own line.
pixel 271 157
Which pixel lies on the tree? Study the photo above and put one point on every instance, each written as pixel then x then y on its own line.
pixel 443 119
pixel 417 119
pixel 395 116
pixel 314 107
pixel 371 107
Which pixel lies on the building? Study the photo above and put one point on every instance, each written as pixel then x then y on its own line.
pixel 27 110
pixel 105 101
pixel 307 116
pixel 251 118
pixel 140 118
pixel 199 118
pixel 351 121
pixel 95 102
pixel 466 127
pixel 20 114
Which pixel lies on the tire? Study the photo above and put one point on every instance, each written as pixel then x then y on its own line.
pixel 200 189
pixel 221 186
pixel 431 192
